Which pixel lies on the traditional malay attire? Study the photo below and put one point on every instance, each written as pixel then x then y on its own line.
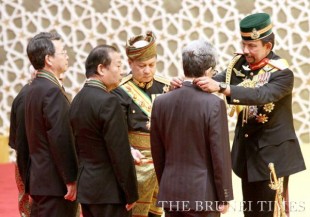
pixel 136 98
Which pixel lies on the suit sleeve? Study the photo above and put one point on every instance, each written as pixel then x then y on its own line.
pixel 220 151
pixel 12 136
pixel 157 146
pixel 59 134
pixel 117 144
pixel 279 85
pixel 220 77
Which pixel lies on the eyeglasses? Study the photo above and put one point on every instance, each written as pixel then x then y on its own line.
pixel 62 53
pixel 211 73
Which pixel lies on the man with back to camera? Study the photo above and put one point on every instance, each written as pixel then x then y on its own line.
pixel 136 94
pixel 53 163
pixel 190 142
pixel 107 184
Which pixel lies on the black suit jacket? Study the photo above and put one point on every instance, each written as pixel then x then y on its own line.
pixel 18 138
pixel 257 144
pixel 190 147
pixel 51 147
pixel 106 167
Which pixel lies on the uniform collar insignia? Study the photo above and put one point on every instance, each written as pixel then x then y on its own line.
pixel 238 73
pixel 143 85
pixel 259 65
pixel 246 67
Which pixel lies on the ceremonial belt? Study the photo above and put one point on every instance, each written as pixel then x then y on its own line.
pixel 141 141
pixel 140 98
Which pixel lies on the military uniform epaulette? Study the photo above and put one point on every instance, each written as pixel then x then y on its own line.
pixel 162 79
pixel 279 63
pixel 125 79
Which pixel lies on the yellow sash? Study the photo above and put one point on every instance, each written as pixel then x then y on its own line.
pixel 140 98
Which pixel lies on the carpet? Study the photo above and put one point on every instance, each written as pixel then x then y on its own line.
pixel 8 191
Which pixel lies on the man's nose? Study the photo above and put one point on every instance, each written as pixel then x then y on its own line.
pixel 147 69
pixel 245 49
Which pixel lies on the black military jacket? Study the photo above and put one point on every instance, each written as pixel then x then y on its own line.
pixel 268 135
pixel 137 120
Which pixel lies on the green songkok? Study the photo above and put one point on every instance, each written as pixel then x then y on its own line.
pixel 255 26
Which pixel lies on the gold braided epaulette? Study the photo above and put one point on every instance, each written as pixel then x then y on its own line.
pixel 229 69
pixel 125 79
pixel 279 63
pixel 162 79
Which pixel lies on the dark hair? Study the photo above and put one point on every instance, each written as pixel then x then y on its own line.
pixel 198 56
pixel 99 55
pixel 40 46
pixel 269 38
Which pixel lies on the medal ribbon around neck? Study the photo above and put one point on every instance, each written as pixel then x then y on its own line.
pixel 48 75
pixel 96 83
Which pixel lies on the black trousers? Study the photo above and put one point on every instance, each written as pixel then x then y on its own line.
pixel 105 210
pixel 52 206
pixel 258 198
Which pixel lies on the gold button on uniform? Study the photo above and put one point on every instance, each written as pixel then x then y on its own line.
pixel 246 135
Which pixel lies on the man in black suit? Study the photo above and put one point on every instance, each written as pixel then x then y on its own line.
pixel 190 143
pixel 259 84
pixel 18 141
pixel 53 162
pixel 107 184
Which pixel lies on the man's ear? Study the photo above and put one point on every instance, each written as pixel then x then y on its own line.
pixel 48 60
pixel 209 72
pixel 101 69
pixel 268 45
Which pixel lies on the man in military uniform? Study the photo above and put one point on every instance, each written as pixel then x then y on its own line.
pixel 259 85
pixel 136 94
